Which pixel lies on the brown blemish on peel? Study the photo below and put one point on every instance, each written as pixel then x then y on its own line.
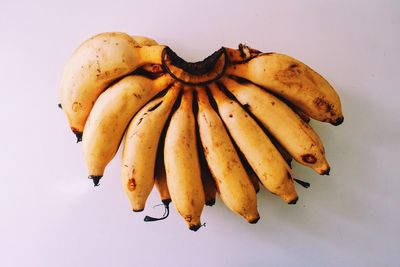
pixel 131 184
pixel 308 158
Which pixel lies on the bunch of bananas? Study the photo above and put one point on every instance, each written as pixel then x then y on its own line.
pixel 221 125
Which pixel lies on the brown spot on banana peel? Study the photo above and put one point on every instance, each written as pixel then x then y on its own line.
pixel 131 185
pixel 308 158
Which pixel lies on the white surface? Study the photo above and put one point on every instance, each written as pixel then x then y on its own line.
pixel 52 216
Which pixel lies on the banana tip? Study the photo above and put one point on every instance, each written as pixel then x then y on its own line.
pixel 255 220
pixel 137 210
pixel 326 171
pixel 166 201
pixel 95 179
pixel 293 201
pixel 195 227
pixel 338 121
pixel 210 202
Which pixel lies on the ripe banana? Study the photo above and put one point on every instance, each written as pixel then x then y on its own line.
pixel 295 135
pixel 251 110
pixel 110 116
pixel 234 185
pixel 95 64
pixel 182 163
pixel 143 135
pixel 295 81
pixel 272 170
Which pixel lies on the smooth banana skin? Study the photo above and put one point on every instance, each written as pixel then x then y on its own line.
pixel 110 117
pixel 234 185
pixel 140 147
pixel 295 135
pixel 295 81
pixel 94 65
pixel 266 161
pixel 182 164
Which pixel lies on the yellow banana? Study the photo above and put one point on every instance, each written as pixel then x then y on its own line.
pixel 266 161
pixel 182 164
pixel 110 116
pixel 234 185
pixel 294 81
pixel 140 147
pixel 290 130
pixel 94 65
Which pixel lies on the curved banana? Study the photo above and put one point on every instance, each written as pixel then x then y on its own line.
pixel 143 135
pixel 182 164
pixel 234 185
pixel 266 161
pixel 295 135
pixel 110 116
pixel 295 81
pixel 94 65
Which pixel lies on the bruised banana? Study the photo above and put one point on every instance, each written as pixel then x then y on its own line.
pixel 110 116
pixel 114 80
pixel 294 81
pixel 266 161
pixel 234 185
pixel 143 134
pixel 94 65
pixel 295 135
pixel 182 164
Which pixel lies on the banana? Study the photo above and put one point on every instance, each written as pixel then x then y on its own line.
pixel 234 185
pixel 266 161
pixel 94 65
pixel 143 135
pixel 110 116
pixel 182 163
pixel 294 81
pixel 210 190
pixel 290 130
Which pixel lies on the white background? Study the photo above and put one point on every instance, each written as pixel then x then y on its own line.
pixel 50 214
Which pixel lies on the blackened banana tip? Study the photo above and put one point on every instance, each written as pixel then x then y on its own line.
pixel 210 202
pixel 194 228
pixel 327 171
pixel 96 179
pixel 78 137
pixel 166 201
pixel 254 221
pixel 294 201
pixel 59 105
pixel 140 210
pixel 338 121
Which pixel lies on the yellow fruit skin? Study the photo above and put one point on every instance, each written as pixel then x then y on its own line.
pixel 94 65
pixel 266 161
pixel 140 148
pixel 182 164
pixel 111 115
pixel 294 81
pixel 295 135
pixel 234 185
